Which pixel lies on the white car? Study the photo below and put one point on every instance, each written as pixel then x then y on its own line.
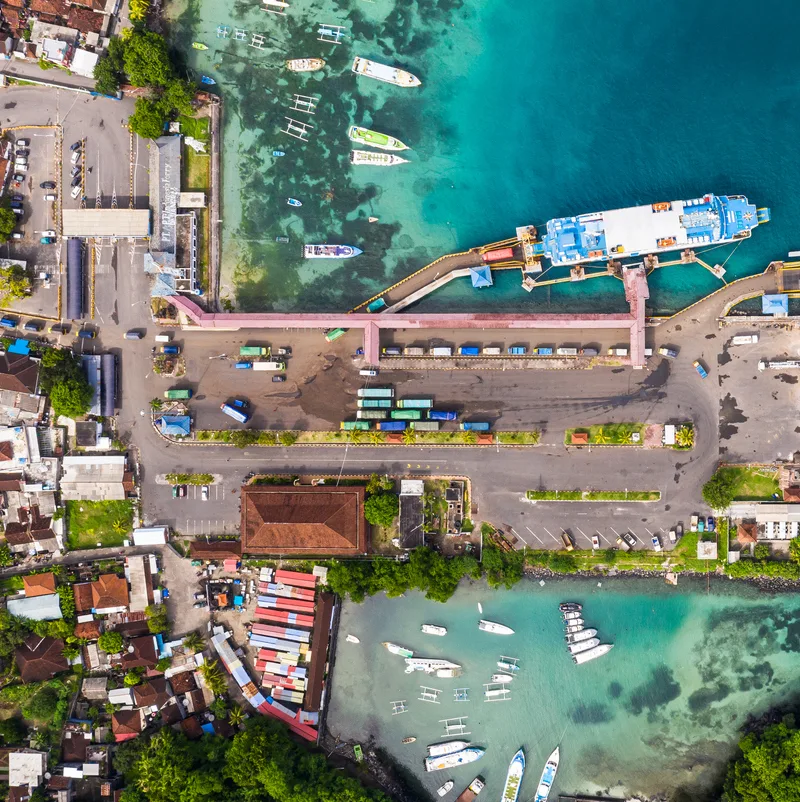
pixel 49 233
pixel 76 191
pixel 76 157
pixel 204 492
pixel 656 543
pixel 50 197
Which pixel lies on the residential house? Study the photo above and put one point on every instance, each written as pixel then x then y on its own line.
pixel 153 694
pixel 96 478
pixel 121 696
pixel 138 570
pixel 85 20
pixel 74 747
pixel 39 584
pixel 34 533
pixel 215 550
pixel 38 608
pixel 192 728
pixel 19 373
pixel 109 594
pixel 82 591
pixel 183 682
pixel 26 767
pixel 412 533
pixel 95 689
pixel 39 659
pixel 88 630
pixel 308 520
pixel 141 653
pixel 127 724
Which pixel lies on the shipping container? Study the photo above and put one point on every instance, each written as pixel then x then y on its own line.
pixel 253 350
pixel 426 425
pixel 439 414
pixel 269 366
pixel 234 413
pixel 376 392
pixel 589 352
pixel 544 351
pixel 469 350
pixel 618 352
pixel 472 426
pixel 178 395
pixel 392 350
pixel 371 414
pixel 169 349
pixel 414 350
pixel 354 424
pixel 517 350
pixel 392 425
pixel 498 254
pixel 163 338
pixel 442 350
pixel 567 352
pixel 374 403
pixel 492 352
pixel 744 339
pixel 406 414
pixel 334 334
pixel 243 365
pixel 415 403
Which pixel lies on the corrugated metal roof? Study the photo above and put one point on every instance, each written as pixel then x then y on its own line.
pixel 106 223
pixel 36 608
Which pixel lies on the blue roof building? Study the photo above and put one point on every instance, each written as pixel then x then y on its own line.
pixel 776 305
pixel 481 276
pixel 174 425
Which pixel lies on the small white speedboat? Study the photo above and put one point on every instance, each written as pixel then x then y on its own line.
pixel 494 627
pixel 445 789
pixel 502 677
pixel 432 629
pixel 352 639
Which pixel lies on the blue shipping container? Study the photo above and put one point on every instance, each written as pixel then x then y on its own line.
pixel 544 351
pixel 517 350
pixel 234 413
pixel 243 365
pixel 170 349
pixel 437 414
pixel 469 350
pixel 468 426
pixel 392 425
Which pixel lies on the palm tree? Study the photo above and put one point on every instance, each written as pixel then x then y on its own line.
pixel 409 437
pixel 119 526
pixel 627 438
pixel 155 404
pixel 356 436
pixel 534 437
pixel 235 716
pixel 376 438
pixel 470 438
pixel 214 677
pixel 600 436
pixel 194 642
pixel 684 437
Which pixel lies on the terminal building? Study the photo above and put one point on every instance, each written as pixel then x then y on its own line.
pixel 652 228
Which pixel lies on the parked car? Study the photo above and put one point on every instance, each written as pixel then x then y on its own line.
pixel 18 197
pixel 76 191
pixel 47 185
pixel 77 181
pixel 75 145
pixel 22 152
pixel 279 378
pixel 656 543
pixel 20 161
pixel 200 604
pixel 367 372
pixel 182 490
pixel 33 325
pixel 672 536
pixel 23 142
pixel 17 210
pixel 174 491
pixel 198 596
pixel 567 541
pixel 49 233
pixel 679 530
pixel 86 334
pixel 76 170
pixel 240 403
pixel 629 539
pixel 693 523
pixel 670 352
pixel 50 197
pixel 701 524
pixel 60 328
pixel 16 204
pixel 76 157
pixel 18 177
pixel 17 235
pixel 711 524
pixel 700 369
pixel 595 542
pixel 133 335
pixel 204 492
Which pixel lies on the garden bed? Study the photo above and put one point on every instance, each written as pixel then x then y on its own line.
pixel 608 434
pixel 593 495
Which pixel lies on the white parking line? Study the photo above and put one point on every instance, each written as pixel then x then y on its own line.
pixel 614 530
pixel 581 531
pixel 602 539
pixel 550 534
pixel 648 532
pixel 535 535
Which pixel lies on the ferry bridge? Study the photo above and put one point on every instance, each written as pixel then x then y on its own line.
pixel 636 293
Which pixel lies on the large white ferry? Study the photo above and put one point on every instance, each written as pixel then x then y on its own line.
pixel 372 159
pixel 446 748
pixel 383 72
pixel 430 665
pixel 375 139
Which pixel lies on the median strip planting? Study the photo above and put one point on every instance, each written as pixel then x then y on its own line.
pixel 593 495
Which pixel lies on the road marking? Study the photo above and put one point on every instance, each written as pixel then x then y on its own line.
pixel 614 530
pixel 648 532
pixel 601 537
pixel 550 534
pixel 582 532
pixel 535 535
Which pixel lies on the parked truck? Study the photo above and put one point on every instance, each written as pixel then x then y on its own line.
pixel 376 392
pixel 517 350
pixel 392 425
pixel 491 351
pixel 253 350
pixel 236 414
pixel 469 350
pixel 413 350
pixel 440 414
pixel 475 426
pixel 269 366
pixel 178 395
pixel 744 339
pixel 442 350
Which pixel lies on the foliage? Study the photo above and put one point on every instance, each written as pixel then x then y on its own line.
pixel 768 768
pixel 684 436
pixel 147 119
pixel 14 281
pixel 214 677
pixel 92 522
pixel 287 438
pixel 70 652
pixel 190 478
pixel 242 438
pixel 13 631
pixel 379 484
pixel 519 438
pixel 6 557
pixel 137 10
pixel 594 495
pixel 42 705
pixel 66 598
pixel 106 75
pixel 110 642
pixel 157 620
pixel 44 64
pixel 236 716
pixel 502 568
pixel 146 60
pixel 762 551
pixel 219 707
pixel 62 378
pixel 132 678
pixel 13 731
pixel 382 510
pixel 752 482
pixel 563 563
pixel 194 642
pixel 163 664
pixel 794 549
pixel 156 404
pixel 780 569
pixel 718 491
pixel 619 434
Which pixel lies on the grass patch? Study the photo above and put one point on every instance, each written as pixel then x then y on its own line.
pixel 196 127
pixel 752 484
pixel 11 585
pixel 609 434
pixel 518 438
pixel 91 522
pixel 594 495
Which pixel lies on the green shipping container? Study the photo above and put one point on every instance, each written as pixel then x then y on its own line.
pixel 376 392
pixel 375 403
pixel 252 350
pixel 405 414
pixel 415 403
pixel 355 424
pixel 178 395
pixel 426 425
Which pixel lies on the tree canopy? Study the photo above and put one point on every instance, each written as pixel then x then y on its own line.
pixel 260 763
pixel 768 769
pixel 146 59
pixel 718 491
pixel 63 379
pixel 110 642
pixel 8 222
pixel 382 509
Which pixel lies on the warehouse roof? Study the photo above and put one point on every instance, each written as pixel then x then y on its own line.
pixel 106 223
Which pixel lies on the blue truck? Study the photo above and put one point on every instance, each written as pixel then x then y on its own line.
pixel 8 322
pixel 234 413
pixel 544 351
pixel 243 365
pixel 392 425
pixel 170 349
pixel 438 414
pixel 469 350
pixel 475 426
pixel 517 350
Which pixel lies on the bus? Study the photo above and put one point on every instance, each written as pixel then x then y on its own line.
pixel 438 414
pixel 426 425
pixel 406 414
pixel 253 350
pixel 234 413
pixel 374 403
pixel 474 426
pixel 178 395
pixel 371 414
pixel 334 334
pixel 415 403
pixel 363 425
pixel 376 392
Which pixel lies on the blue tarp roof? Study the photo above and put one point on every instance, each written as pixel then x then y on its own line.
pixel 775 305
pixel 481 276
pixel 20 347
pixel 208 727
pixel 174 424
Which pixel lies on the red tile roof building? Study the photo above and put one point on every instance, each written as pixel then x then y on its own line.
pixel 127 724
pixel 39 584
pixel 316 520
pixel 18 373
pixel 109 591
pixel 39 659
pixel 85 20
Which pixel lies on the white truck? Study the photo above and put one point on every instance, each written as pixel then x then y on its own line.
pixel 744 339
pixel 269 366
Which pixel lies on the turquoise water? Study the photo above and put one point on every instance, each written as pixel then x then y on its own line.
pixel 529 109
pixel 659 713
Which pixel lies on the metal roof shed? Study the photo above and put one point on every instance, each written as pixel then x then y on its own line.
pixel 106 223
pixel 150 536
